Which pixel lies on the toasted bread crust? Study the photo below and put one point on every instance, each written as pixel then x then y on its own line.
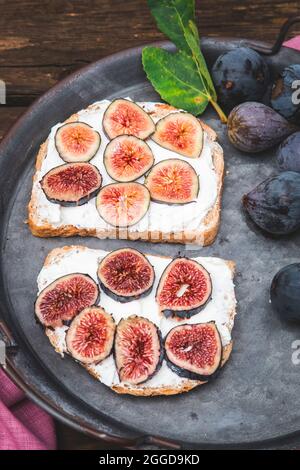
pixel 204 237
pixel 186 386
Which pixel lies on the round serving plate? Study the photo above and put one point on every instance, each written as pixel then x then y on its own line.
pixel 255 401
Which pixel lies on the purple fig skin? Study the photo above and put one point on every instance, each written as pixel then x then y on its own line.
pixel 254 127
pixel 274 205
pixel 288 154
pixel 282 94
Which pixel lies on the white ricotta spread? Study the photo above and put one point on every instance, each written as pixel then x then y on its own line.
pixel 219 309
pixel 160 217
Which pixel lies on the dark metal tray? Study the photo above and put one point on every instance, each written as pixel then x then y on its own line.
pixel 256 399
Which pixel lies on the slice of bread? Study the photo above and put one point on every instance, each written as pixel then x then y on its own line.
pixel 68 259
pixel 202 231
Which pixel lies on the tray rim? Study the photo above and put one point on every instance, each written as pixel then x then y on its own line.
pixel 15 374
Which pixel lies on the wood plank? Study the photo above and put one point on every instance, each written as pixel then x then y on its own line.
pixel 49 40
pixel 8 116
pixel 24 84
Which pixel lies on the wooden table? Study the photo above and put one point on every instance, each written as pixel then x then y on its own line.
pixel 42 42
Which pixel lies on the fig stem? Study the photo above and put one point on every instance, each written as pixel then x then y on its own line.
pixel 217 108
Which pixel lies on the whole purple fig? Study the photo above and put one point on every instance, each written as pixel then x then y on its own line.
pixel 288 154
pixel 240 75
pixel 284 91
pixel 254 127
pixel 274 205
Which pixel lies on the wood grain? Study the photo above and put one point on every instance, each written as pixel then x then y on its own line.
pixel 8 116
pixel 42 42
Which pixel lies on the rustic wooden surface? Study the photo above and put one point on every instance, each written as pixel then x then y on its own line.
pixel 42 42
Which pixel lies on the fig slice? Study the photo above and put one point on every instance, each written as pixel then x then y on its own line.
pixel 138 350
pixel 127 158
pixel 126 275
pixel 194 351
pixel 64 298
pixel 91 335
pixel 72 184
pixel 77 142
pixel 126 117
pixel 180 132
pixel 184 288
pixel 173 181
pixel 123 204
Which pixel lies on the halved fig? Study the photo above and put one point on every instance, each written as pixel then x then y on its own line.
pixel 184 288
pixel 194 351
pixel 123 204
pixel 72 184
pixel 138 350
pixel 126 275
pixel 180 132
pixel 64 298
pixel 173 181
pixel 126 158
pixel 77 142
pixel 126 117
pixel 91 334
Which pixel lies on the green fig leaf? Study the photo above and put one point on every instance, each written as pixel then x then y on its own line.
pixel 192 38
pixel 176 19
pixel 175 77
pixel 172 18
